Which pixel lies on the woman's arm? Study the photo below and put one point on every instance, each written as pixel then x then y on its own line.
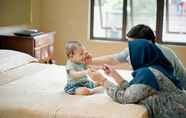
pixel 124 93
pixel 119 80
pixel 114 74
pixel 117 93
pixel 114 59
pixel 128 94
pixel 114 91
pixel 108 59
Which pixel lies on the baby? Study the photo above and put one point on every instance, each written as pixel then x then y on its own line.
pixel 77 82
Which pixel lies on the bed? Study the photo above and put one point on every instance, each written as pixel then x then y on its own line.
pixel 32 90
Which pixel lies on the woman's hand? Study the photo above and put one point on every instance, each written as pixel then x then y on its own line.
pixel 87 58
pixel 108 69
pixel 112 72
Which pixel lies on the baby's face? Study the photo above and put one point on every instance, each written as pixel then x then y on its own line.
pixel 78 55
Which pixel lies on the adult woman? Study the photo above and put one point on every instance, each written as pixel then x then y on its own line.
pixel 153 84
pixel 144 32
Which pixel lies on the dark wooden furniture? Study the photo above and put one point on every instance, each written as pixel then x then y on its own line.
pixel 40 46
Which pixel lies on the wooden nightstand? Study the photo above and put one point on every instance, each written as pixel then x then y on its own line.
pixel 40 46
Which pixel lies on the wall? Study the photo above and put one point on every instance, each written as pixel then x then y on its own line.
pixel 69 19
pixel 14 12
pixel 35 13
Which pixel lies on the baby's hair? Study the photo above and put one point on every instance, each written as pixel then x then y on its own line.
pixel 70 46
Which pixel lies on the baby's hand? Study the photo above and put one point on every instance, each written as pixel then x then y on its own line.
pixel 94 67
pixel 91 69
pixel 96 76
pixel 97 84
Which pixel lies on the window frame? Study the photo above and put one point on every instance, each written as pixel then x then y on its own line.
pixel 167 20
pixel 124 22
pixel 165 5
pixel 161 5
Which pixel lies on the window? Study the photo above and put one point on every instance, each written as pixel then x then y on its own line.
pixel 175 21
pixel 111 19
pixel 141 12
pixel 108 19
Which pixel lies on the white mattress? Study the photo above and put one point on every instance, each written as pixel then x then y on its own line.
pixel 36 91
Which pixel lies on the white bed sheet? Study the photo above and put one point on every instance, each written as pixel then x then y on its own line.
pixel 36 91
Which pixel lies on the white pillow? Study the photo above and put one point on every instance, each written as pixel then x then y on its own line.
pixel 10 59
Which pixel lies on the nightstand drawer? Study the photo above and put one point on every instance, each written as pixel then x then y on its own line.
pixel 37 54
pixel 43 40
pixel 42 53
